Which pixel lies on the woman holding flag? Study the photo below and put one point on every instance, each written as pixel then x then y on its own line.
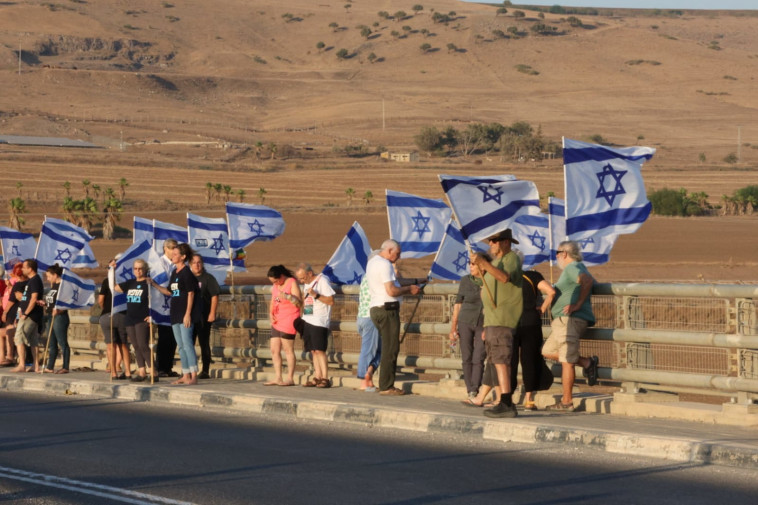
pixel 138 317
pixel 286 300
pixel 184 311
pixel 58 322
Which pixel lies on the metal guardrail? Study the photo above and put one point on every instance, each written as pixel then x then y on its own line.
pixel 693 336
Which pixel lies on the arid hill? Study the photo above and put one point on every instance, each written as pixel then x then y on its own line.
pixel 260 94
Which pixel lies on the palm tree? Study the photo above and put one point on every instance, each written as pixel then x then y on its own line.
pixel 86 184
pixel 16 207
pixel 272 149
pixel 258 150
pixel 208 192
pixel 227 192
pixel 67 187
pixel 69 205
pixel 96 190
pixel 349 192
pixel 262 195
pixel 218 188
pixel 19 185
pixel 367 196
pixel 85 210
pixel 122 184
pixel 241 195
pixel 112 209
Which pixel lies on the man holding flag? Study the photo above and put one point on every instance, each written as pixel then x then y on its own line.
pixel 503 303
pixel 29 316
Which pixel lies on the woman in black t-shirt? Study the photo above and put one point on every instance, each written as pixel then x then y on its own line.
pixel 184 311
pixel 137 292
pixel 59 320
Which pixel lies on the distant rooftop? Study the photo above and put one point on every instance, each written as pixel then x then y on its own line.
pixel 23 140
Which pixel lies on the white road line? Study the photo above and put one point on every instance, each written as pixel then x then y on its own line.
pixel 111 493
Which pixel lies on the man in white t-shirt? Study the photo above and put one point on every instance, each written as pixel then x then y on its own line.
pixel 318 298
pixel 386 291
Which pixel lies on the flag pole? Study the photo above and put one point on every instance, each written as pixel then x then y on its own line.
pixel 150 330
pixel 471 251
pixel 110 355
pixel 231 260
pixel 550 233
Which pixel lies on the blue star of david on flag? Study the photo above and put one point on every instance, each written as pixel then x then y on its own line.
pixel 357 277
pixel 15 251
pixel 496 196
pixel 586 241
pixel 256 228
pixel 63 255
pixel 166 305
pixel 126 273
pixel 537 240
pixel 218 245
pixel 618 188
pixel 461 262
pixel 421 224
pixel 75 295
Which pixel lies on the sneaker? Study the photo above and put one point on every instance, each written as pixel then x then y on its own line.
pixel 561 407
pixel 137 378
pixel 501 410
pixel 203 375
pixel 591 371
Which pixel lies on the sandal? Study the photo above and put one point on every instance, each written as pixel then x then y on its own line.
pixel 61 371
pixel 530 406
pixel 324 383
pixel 468 402
pixel 312 383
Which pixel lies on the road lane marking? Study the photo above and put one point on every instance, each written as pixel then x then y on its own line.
pixel 89 488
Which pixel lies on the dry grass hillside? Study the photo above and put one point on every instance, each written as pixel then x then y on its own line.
pixel 180 92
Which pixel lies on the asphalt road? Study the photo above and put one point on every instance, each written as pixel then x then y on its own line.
pixel 76 450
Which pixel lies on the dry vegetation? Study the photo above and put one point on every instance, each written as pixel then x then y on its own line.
pixel 199 93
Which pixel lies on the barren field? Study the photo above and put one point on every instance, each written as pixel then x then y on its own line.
pixel 182 94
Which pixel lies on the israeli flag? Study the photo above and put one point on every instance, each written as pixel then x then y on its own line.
pixel 596 250
pixel 124 272
pixel 533 235
pixel 164 231
pixel 484 206
pixel 250 223
pixel 75 292
pixel 85 258
pixel 452 259
pixel 209 236
pixel 142 230
pixel 60 242
pixel 417 224
pixel 16 247
pixel 604 190
pixel 348 263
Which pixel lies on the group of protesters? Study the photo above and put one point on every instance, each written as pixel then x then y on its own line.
pixel 497 320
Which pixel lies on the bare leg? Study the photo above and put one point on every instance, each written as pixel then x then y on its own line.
pixel 111 353
pixel 368 379
pixel 21 351
pixel 568 375
pixel 127 359
pixel 276 359
pixel 289 351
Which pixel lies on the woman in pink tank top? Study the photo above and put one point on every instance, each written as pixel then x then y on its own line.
pixel 286 300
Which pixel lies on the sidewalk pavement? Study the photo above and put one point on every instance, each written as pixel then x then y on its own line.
pixel 681 441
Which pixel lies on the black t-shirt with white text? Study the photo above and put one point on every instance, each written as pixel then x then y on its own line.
pixel 51 297
pixel 182 283
pixel 137 300
pixel 33 285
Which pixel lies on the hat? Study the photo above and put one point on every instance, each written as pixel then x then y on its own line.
pixel 503 235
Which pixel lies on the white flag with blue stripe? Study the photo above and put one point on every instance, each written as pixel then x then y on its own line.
pixel 452 259
pixel 75 292
pixel 85 258
pixel 209 237
pixel 60 242
pixel 604 190
pixel 348 263
pixel 251 223
pixel 596 250
pixel 16 246
pixel 484 206
pixel 164 231
pixel 142 230
pixel 533 235
pixel 417 224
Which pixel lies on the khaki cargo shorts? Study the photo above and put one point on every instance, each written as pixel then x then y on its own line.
pixel 27 333
pixel 499 343
pixel 564 338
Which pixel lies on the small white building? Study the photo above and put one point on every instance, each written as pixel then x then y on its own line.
pixel 403 157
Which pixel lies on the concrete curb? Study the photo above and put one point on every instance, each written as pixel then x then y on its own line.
pixel 679 449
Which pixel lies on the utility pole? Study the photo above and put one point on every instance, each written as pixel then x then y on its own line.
pixel 739 144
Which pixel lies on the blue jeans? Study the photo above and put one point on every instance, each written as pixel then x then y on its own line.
pixel 371 346
pixel 183 337
pixel 59 338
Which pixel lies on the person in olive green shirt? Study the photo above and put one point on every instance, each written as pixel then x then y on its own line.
pixel 572 314
pixel 503 303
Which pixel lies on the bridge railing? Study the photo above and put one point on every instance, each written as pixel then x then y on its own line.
pixel 674 337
